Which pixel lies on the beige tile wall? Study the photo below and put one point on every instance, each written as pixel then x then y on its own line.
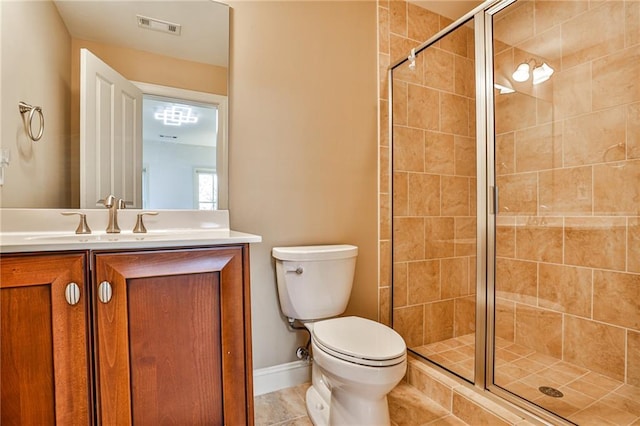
pixel 568 276
pixel 568 166
pixel 433 176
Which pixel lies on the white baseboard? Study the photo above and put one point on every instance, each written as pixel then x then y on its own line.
pixel 270 379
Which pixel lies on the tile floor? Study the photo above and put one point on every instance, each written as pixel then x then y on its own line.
pixel 407 406
pixel 588 398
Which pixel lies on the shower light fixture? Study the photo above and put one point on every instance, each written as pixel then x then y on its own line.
pixel 521 73
pixel 541 73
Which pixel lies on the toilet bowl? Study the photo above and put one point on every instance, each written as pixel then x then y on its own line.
pixel 356 361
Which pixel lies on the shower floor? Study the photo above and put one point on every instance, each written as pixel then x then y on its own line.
pixel 588 398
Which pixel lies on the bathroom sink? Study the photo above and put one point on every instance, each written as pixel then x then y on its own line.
pixel 32 230
pixel 51 241
pixel 103 237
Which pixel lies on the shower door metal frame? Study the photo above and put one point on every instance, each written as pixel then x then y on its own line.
pixel 476 16
pixel 484 248
pixel 486 210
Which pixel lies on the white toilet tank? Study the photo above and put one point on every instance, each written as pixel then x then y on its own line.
pixel 314 282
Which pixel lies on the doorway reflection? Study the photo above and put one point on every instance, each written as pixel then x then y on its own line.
pixel 179 154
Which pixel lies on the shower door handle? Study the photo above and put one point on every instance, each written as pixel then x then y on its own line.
pixel 494 204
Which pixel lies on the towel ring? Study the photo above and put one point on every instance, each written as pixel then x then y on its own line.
pixel 24 107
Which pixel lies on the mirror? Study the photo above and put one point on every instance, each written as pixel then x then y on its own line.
pixel 40 65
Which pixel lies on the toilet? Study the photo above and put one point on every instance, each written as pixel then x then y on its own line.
pixel 356 361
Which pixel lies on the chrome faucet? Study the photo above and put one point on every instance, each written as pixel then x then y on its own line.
pixel 113 204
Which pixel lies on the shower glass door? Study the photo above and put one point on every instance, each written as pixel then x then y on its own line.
pixel 434 195
pixel 557 240
pixel 567 229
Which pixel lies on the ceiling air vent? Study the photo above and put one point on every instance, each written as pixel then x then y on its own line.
pixel 158 25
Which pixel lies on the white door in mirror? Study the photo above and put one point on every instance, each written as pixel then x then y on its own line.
pixel 110 134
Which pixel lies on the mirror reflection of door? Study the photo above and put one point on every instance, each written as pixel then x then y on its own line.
pixel 110 134
pixel 179 152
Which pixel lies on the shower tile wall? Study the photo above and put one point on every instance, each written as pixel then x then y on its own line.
pixel 568 170
pixel 434 177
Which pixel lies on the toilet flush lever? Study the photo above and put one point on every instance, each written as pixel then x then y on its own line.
pixel 298 270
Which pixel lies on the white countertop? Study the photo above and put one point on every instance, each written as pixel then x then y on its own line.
pixel 33 230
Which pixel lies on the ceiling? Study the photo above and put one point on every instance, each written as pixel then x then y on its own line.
pixel 114 22
pixel 204 36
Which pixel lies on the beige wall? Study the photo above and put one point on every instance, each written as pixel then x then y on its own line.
pixel 38 175
pixel 151 68
pixel 303 153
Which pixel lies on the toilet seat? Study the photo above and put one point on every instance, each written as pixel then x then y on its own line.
pixel 360 341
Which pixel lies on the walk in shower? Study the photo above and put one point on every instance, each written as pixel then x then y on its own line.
pixel 515 203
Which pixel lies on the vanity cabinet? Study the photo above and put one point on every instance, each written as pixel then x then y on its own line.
pixel 168 331
pixel 173 341
pixel 44 362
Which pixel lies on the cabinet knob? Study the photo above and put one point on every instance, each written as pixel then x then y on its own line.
pixel 72 294
pixel 105 291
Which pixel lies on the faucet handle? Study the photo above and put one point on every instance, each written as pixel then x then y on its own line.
pixel 83 227
pixel 140 228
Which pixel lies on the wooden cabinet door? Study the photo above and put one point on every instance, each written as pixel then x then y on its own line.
pixel 44 365
pixel 172 341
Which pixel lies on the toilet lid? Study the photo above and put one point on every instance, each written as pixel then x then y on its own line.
pixel 360 340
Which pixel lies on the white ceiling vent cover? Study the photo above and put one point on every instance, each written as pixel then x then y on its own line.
pixel 158 25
